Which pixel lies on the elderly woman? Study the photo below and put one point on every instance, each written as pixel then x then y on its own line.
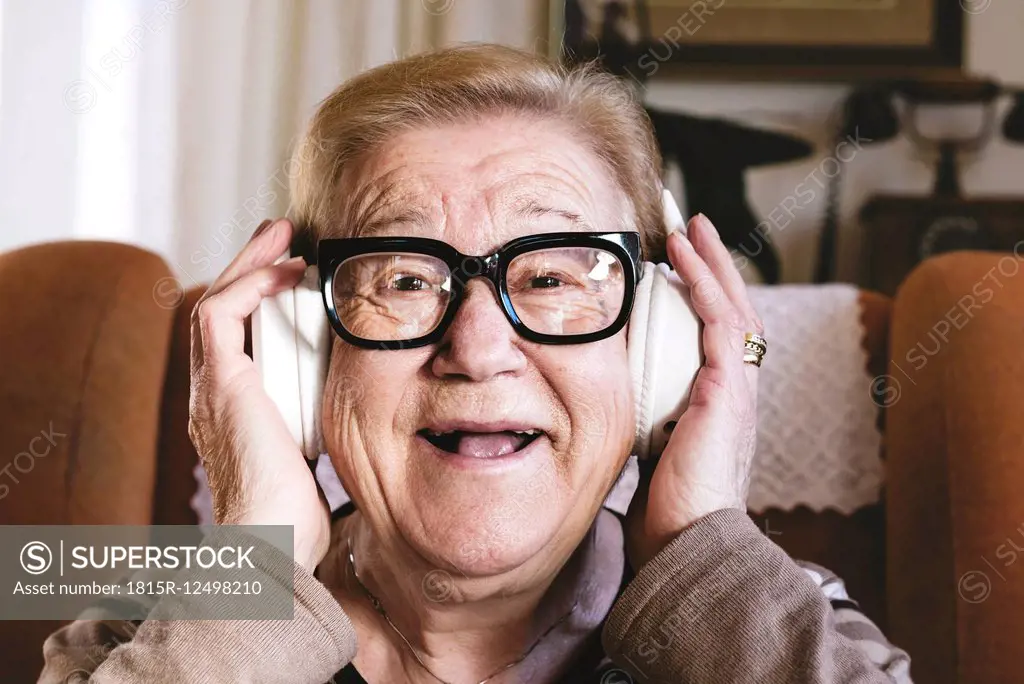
pixel 490 427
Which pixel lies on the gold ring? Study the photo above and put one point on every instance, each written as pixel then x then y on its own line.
pixel 754 349
pixel 756 339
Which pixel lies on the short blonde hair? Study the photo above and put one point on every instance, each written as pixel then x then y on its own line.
pixel 460 84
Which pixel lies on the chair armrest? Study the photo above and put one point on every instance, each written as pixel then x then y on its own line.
pixel 84 346
pixel 955 462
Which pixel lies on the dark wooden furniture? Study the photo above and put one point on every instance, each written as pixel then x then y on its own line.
pixel 901 231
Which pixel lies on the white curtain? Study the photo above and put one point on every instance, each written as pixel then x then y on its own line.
pixel 167 123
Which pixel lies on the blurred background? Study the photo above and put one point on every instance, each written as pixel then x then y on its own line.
pixel 167 123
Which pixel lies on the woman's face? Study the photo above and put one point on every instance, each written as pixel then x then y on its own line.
pixel 476 186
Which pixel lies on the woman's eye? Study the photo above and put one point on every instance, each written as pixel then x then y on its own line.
pixel 408 284
pixel 540 282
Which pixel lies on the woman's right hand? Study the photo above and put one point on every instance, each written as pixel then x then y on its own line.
pixel 256 471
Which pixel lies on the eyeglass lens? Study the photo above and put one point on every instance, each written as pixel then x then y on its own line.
pixel 394 296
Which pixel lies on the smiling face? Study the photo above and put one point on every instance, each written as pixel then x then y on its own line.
pixel 483 451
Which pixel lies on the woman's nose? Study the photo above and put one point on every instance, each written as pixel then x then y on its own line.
pixel 480 343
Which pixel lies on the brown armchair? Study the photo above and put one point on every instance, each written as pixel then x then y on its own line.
pixel 94 345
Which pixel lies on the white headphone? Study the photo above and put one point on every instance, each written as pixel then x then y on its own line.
pixel 664 347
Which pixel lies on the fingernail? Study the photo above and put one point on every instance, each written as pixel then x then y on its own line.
pixel 293 261
pixel 681 239
pixel 706 222
pixel 673 234
pixel 261 229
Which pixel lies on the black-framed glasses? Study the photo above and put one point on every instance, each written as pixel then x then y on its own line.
pixel 403 292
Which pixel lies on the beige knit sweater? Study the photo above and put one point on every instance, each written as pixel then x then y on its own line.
pixel 721 603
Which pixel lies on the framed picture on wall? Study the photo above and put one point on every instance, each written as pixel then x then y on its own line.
pixel 773 39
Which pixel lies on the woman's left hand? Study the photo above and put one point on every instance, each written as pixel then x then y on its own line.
pixel 706 465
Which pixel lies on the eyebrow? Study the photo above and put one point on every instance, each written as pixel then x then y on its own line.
pixel 415 217
pixel 533 209
pixel 374 217
pixel 374 208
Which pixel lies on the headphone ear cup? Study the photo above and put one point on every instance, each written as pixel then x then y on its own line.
pixel 275 356
pixel 312 346
pixel 636 350
pixel 665 354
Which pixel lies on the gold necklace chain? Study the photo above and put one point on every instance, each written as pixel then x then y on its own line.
pixel 379 607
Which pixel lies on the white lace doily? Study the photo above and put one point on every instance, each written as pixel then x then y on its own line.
pixel 818 443
pixel 817 438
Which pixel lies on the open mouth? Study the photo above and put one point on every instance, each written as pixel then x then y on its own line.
pixel 481 444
